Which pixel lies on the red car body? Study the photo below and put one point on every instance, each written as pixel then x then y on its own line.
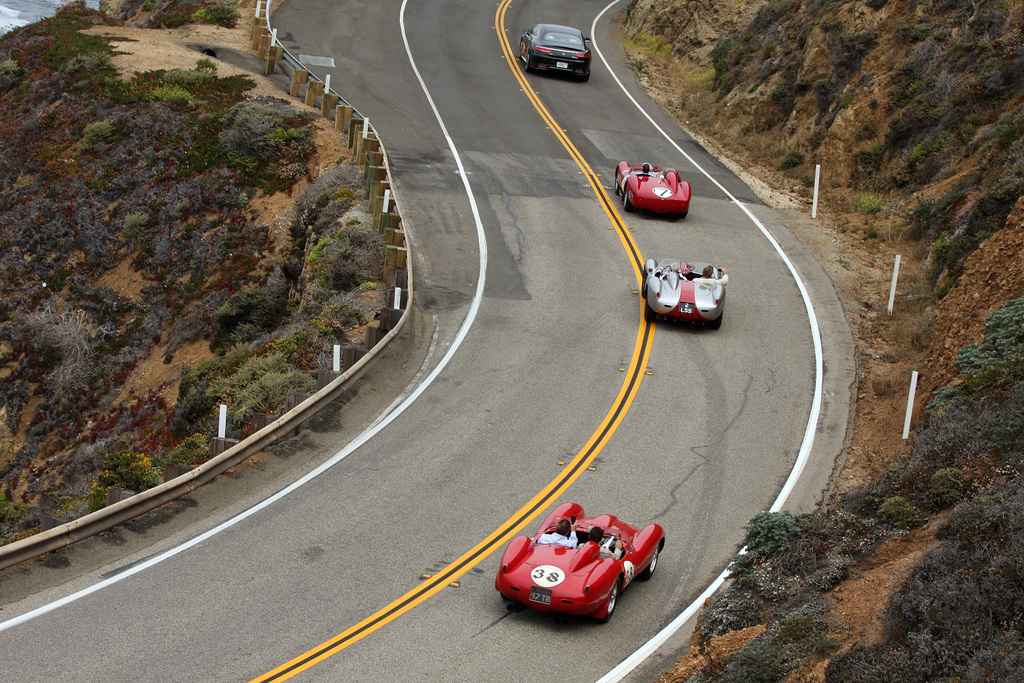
pixel 576 581
pixel 651 188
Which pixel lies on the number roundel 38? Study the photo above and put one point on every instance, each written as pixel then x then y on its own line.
pixel 578 581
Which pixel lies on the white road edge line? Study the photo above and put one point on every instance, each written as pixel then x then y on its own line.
pixel 648 648
pixel 359 440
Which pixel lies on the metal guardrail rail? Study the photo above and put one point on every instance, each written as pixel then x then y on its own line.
pixel 140 503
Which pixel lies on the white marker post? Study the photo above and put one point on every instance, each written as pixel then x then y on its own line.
pixel 327 84
pixel 387 200
pixel 259 5
pixel 398 297
pixel 366 127
pixel 892 288
pixel 222 425
pixel 910 405
pixel 817 177
pixel 337 358
pixel 273 38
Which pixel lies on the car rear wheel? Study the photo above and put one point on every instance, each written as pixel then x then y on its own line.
pixel 585 77
pixel 627 200
pixel 717 322
pixel 613 598
pixel 649 572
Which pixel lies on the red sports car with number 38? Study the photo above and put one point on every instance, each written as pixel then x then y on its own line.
pixel 578 581
pixel 651 188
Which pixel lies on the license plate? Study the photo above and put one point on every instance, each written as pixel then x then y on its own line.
pixel 541 595
pixel 686 308
pixel 562 65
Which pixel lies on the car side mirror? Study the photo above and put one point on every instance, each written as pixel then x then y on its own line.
pixel 527 32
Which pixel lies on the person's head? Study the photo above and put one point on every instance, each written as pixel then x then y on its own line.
pixel 646 168
pixel 596 534
pixel 564 527
pixel 709 271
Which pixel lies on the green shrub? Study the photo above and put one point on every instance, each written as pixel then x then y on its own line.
pixel 11 512
pixel 792 159
pixel 869 204
pixel 189 78
pixel 249 131
pixel 222 13
pixel 767 533
pixel 10 73
pixel 252 307
pixel 96 132
pixel 947 487
pixel 900 512
pixel 132 471
pixel 652 46
pixel 189 451
pixel 259 385
pixel 172 94
pixel 135 225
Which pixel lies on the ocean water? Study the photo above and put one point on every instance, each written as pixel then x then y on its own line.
pixel 15 13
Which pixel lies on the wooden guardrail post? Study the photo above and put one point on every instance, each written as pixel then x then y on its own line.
pixel 342 117
pixel 259 20
pixel 299 78
pixel 274 53
pixel 314 89
pixel 173 470
pixel 264 45
pixel 330 102
pixel 355 135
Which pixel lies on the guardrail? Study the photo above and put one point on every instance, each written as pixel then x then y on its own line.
pixel 367 150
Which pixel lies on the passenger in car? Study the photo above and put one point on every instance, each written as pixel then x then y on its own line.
pixel 708 277
pixel 564 535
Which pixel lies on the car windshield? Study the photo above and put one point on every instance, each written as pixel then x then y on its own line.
pixel 562 39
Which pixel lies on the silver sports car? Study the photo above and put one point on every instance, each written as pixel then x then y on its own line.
pixel 683 290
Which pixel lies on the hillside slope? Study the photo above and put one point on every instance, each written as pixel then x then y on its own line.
pixel 174 235
pixel 914 112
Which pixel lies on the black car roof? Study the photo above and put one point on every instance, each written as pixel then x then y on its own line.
pixel 540 28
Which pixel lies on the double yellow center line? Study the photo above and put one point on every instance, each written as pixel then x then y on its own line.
pixel 572 470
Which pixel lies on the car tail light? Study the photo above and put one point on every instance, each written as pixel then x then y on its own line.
pixel 581 55
pixel 586 589
pixel 544 50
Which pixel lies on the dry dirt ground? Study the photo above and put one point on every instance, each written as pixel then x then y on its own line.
pixel 858 252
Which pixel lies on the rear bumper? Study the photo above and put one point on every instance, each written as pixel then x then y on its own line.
pixel 572 66
pixel 666 206
pixel 560 604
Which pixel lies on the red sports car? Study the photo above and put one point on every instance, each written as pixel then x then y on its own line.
pixel 650 188
pixel 578 581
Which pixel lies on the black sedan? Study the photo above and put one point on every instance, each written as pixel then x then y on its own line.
pixel 549 47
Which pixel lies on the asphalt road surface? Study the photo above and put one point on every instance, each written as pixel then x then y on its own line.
pixel 545 385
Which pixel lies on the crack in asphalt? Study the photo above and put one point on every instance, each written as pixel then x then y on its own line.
pixel 515 224
pixel 696 450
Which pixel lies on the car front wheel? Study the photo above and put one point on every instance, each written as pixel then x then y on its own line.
pixel 627 200
pixel 649 314
pixel 649 572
